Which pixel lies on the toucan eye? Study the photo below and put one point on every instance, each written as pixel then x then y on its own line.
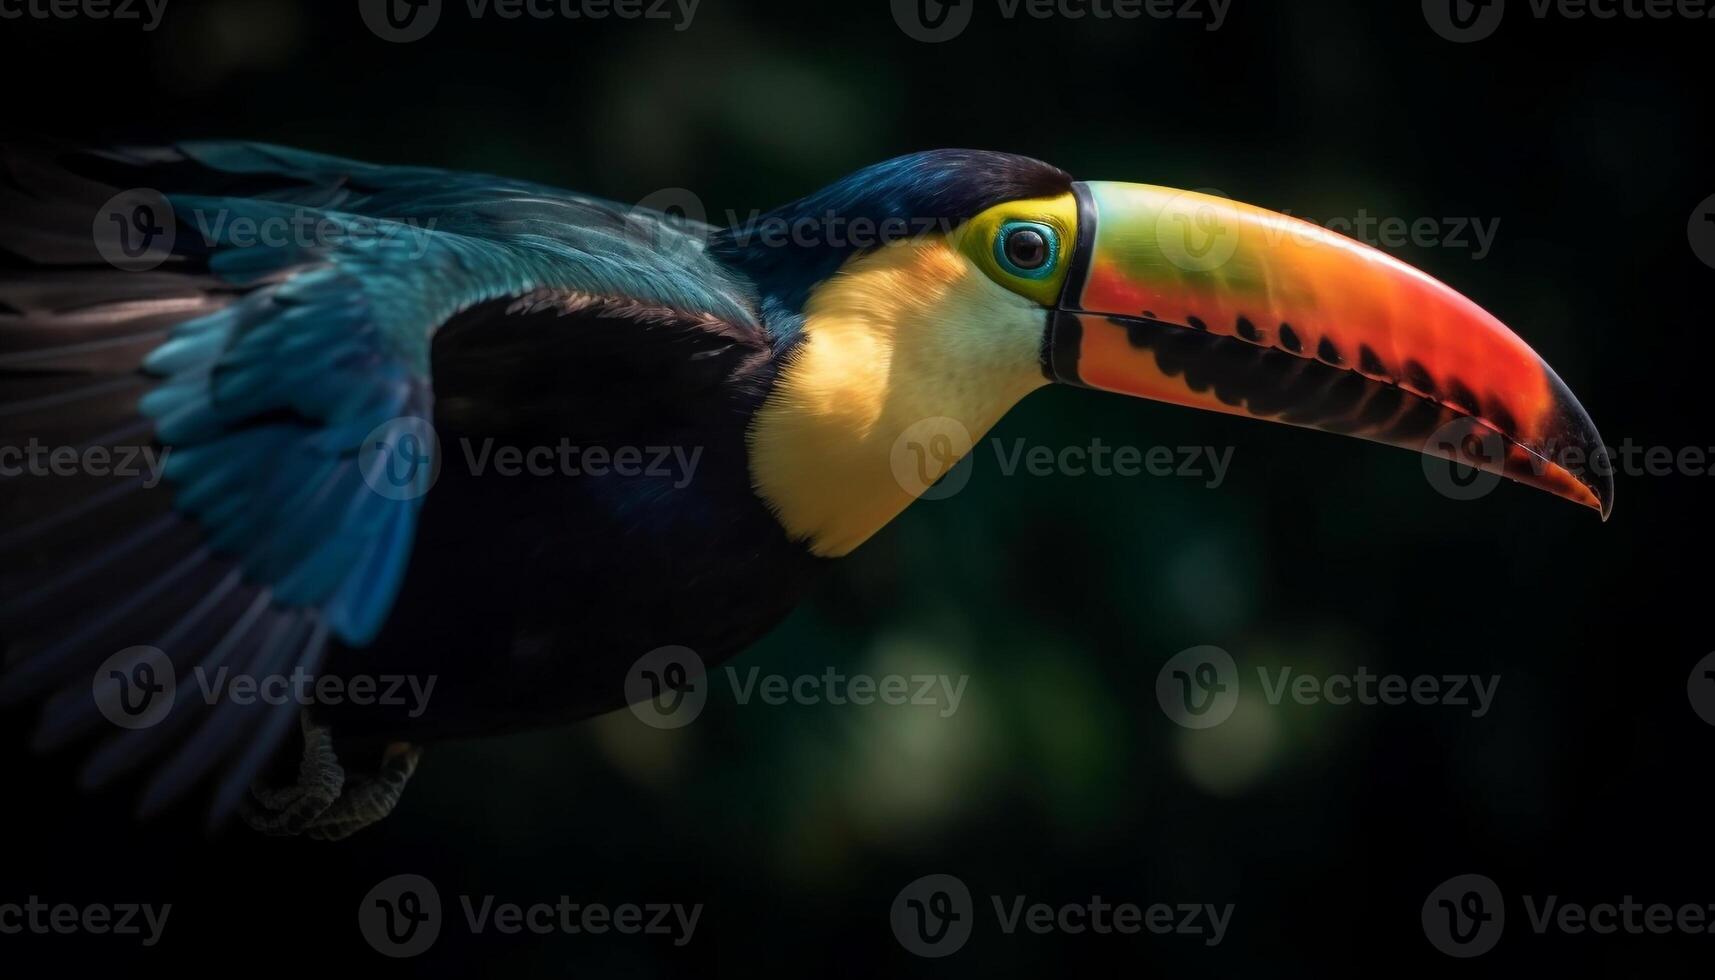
pixel 1027 249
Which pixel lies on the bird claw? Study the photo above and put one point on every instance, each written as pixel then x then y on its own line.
pixel 327 803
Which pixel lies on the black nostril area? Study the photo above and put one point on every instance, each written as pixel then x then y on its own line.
pixel 1417 376
pixel 1369 363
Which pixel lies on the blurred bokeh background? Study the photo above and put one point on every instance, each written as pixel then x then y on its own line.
pixel 1058 777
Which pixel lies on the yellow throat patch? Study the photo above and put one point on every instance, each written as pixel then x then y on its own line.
pixel 911 353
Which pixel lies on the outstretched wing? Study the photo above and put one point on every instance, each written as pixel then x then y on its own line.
pixel 222 456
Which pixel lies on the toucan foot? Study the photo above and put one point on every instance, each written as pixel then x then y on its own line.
pixel 326 802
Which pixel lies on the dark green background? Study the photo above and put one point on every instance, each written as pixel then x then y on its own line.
pixel 1059 778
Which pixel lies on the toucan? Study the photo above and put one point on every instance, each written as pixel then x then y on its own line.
pixel 332 361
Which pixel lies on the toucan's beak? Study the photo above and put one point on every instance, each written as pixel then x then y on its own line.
pixel 1197 300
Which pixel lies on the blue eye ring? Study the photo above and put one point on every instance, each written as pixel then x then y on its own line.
pixel 1012 255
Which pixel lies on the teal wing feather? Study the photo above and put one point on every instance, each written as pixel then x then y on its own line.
pixel 286 363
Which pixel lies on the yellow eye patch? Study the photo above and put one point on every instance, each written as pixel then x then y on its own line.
pixel 983 240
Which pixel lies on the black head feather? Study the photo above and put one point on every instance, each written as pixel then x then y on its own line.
pixel 787 251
